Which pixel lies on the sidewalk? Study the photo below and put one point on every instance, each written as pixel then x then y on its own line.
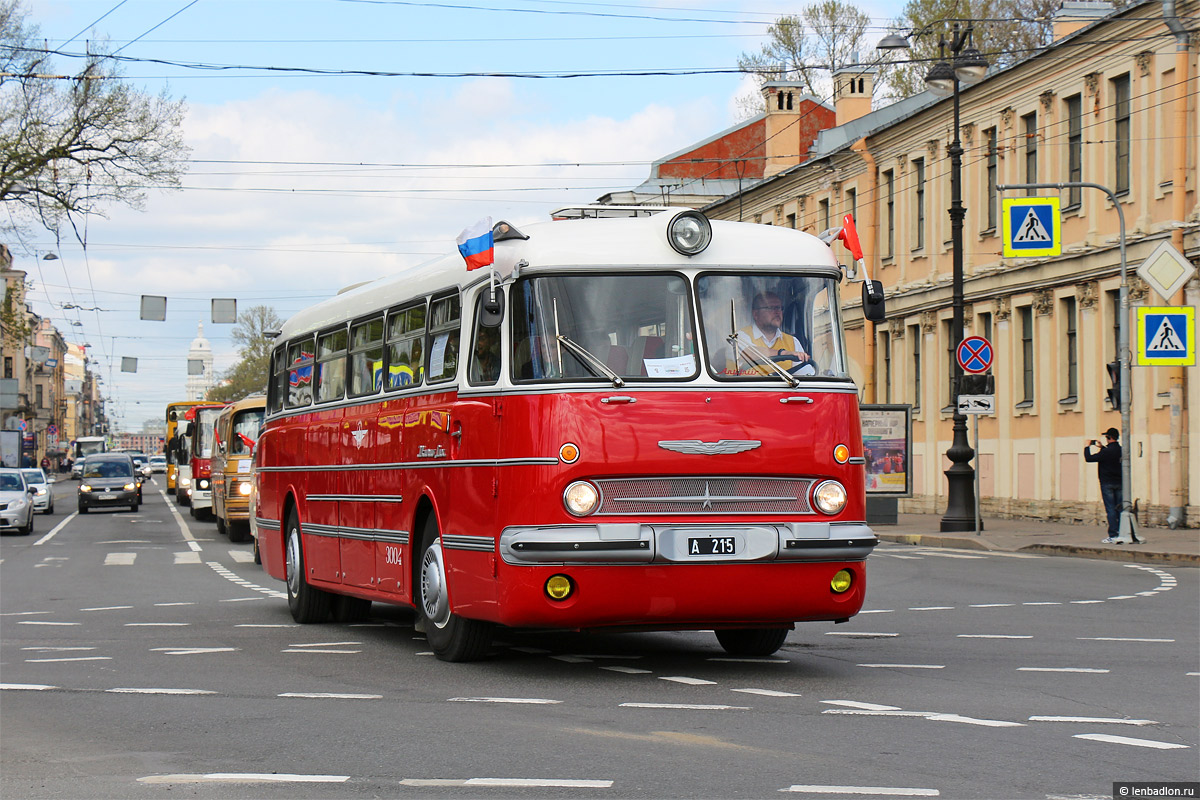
pixel 1163 546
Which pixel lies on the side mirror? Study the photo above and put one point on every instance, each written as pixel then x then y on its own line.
pixel 872 300
pixel 492 313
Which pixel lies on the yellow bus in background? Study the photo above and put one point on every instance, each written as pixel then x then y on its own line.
pixel 236 432
pixel 176 424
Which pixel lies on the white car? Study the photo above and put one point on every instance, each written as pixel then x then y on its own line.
pixel 16 502
pixel 158 463
pixel 43 501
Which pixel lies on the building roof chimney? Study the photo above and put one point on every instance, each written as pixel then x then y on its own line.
pixel 852 91
pixel 1074 15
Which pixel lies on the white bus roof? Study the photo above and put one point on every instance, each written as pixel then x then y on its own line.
pixel 626 243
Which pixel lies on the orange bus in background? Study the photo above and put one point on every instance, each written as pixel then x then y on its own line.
pixel 236 432
pixel 176 424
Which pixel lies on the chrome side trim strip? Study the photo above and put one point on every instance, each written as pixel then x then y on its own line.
pixel 359 534
pixel 476 462
pixel 356 498
pixel 269 524
pixel 482 544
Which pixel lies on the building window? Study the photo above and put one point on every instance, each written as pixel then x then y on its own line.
pixel 1072 351
pixel 989 138
pixel 914 335
pixel 8 367
pixel 1074 150
pixel 1121 108
pixel 985 327
pixel 889 194
pixel 39 394
pixel 791 221
pixel 852 203
pixel 886 343
pixel 919 171
pixel 951 363
pixel 1029 124
pixel 823 207
pixel 1025 315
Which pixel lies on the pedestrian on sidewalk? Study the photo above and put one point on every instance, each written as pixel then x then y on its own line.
pixel 1108 467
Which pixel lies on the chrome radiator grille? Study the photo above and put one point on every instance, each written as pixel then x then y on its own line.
pixel 714 495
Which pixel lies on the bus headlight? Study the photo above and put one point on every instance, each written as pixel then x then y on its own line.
pixel 689 233
pixel 829 497
pixel 244 489
pixel 185 481
pixel 581 498
pixel 203 484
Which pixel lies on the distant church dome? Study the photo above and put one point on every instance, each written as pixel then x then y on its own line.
pixel 198 383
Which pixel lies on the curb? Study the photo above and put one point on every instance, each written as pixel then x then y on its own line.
pixel 930 540
pixel 1131 553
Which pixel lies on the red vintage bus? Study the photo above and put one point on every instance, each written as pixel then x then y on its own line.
pixel 647 424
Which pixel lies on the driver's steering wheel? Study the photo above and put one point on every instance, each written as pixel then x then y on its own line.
pixel 799 364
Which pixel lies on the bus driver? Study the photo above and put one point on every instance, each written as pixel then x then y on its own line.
pixel 769 339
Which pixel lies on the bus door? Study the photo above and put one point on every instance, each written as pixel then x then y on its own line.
pixel 359 447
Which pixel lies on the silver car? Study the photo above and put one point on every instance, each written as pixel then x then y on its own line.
pixel 16 502
pixel 43 501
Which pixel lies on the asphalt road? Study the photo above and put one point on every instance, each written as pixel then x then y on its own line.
pixel 144 656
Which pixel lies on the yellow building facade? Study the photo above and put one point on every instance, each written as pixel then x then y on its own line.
pixel 1112 101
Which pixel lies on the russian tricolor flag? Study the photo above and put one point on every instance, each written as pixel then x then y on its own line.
pixel 476 244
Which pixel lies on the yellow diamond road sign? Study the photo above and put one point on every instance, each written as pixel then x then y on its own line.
pixel 1032 226
pixel 1166 270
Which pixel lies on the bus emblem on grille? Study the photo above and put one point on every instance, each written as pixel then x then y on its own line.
pixel 697 447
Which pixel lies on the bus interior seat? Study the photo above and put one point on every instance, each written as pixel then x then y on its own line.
pixel 617 359
pixel 644 347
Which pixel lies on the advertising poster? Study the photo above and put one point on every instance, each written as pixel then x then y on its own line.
pixel 887 446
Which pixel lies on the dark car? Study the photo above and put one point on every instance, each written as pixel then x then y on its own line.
pixel 109 480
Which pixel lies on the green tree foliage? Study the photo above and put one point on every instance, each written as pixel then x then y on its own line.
pixel 74 144
pixel 1005 31
pixel 250 334
pixel 807 47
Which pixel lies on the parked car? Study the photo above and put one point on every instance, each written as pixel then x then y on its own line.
pixel 16 502
pixel 43 501
pixel 158 463
pixel 109 480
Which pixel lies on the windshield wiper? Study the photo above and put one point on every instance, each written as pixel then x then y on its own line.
pixel 593 364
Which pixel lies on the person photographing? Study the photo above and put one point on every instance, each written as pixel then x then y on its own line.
pixel 1108 467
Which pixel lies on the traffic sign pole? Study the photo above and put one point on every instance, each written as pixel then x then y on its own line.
pixel 1128 527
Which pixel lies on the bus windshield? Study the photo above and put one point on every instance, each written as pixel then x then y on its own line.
pixel 206 419
pixel 88 447
pixel 245 431
pixel 636 326
pixel 752 322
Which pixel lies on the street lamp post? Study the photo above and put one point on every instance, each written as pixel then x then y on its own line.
pixel 967 66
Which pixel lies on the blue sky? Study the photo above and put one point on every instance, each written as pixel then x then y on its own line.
pixel 383 171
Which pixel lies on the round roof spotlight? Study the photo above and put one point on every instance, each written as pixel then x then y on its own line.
pixel 689 233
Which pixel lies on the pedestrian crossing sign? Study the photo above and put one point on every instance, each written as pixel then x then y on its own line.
pixel 1166 336
pixel 1032 226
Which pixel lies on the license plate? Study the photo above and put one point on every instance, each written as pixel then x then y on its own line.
pixel 712 546
pixel 106 496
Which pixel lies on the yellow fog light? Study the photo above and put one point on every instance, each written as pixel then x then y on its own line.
pixel 569 453
pixel 581 498
pixel 829 497
pixel 841 454
pixel 841 581
pixel 559 587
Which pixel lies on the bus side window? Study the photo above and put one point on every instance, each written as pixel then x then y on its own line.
pixel 444 325
pixel 300 373
pixel 485 352
pixel 331 366
pixel 405 339
pixel 366 357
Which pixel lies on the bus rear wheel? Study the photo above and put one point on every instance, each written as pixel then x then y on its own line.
pixel 307 603
pixel 752 641
pixel 451 637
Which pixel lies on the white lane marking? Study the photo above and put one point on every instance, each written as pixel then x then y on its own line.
pixel 685 680
pixel 863 706
pixel 245 777
pixel 877 611
pixel 188 557
pixel 54 531
pixel 862 634
pixel 572 659
pixel 241 556
pixel 1118 639
pixel 25 687
pixel 46 622
pixel 543 783
pixel 157 624
pixel 628 670
pixel 24 613
pixel 56 660
pixel 1061 669
pixel 930 715
pixel 1043 603
pixel 873 790
pixel 192 651
pixel 320 651
pixel 187 535
pixel 325 644
pixel 932 608
pixel 1104 737
pixel 904 666
pixel 264 625
pixel 1085 602
pixel 131 690
pixel 195 546
pixel 249 599
pixel 107 608
pixel 767 692
pixel 989 723
pixel 993 605
pixel 332 695
pixel 941 554
pixel 1124 597
pixel 168 605
pixel 1100 720
pixel 224 572
pixel 859 712
pixel 1192 674
pixel 537 701
pixel 990 636
pixel 120 559
pixel 57 649
pixel 687 706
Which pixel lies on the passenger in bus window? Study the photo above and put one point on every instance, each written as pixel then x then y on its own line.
pixel 766 335
pixel 485 360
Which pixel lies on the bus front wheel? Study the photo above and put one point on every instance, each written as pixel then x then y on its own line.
pixel 307 604
pixel 452 638
pixel 752 641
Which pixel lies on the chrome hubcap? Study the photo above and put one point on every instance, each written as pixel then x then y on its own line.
pixel 293 562
pixel 434 601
